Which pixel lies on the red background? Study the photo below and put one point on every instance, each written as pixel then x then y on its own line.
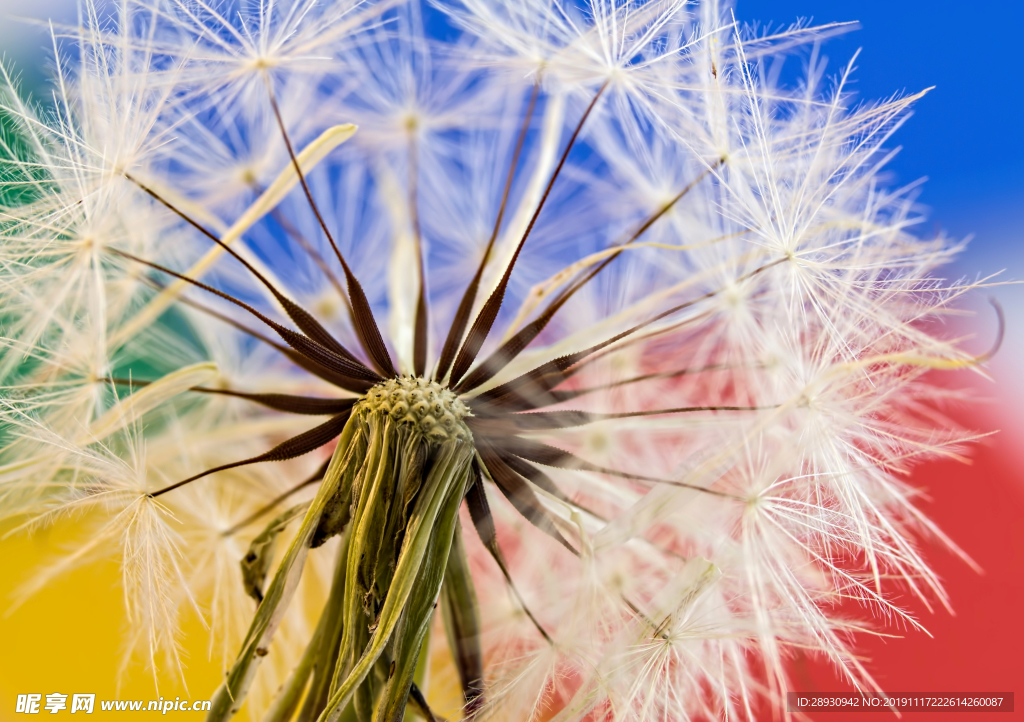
pixel 979 648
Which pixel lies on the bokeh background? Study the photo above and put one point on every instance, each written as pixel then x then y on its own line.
pixel 967 138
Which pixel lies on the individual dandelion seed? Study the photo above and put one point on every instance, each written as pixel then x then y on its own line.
pixel 650 318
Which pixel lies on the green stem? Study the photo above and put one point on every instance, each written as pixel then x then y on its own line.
pixel 328 642
pixel 460 611
pixel 412 630
pixel 230 696
pixel 443 490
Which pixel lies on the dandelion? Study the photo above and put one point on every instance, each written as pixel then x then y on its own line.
pixel 587 270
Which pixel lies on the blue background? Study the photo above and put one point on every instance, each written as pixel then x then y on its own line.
pixel 967 135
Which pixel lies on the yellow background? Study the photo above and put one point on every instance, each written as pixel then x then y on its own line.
pixel 68 638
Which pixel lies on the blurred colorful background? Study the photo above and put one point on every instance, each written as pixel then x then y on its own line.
pixel 967 138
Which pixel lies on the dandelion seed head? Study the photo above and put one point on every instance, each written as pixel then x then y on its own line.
pixel 294 282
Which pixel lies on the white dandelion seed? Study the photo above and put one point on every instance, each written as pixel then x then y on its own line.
pixel 584 268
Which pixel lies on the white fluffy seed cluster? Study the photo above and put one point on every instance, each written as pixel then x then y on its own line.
pixel 435 411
